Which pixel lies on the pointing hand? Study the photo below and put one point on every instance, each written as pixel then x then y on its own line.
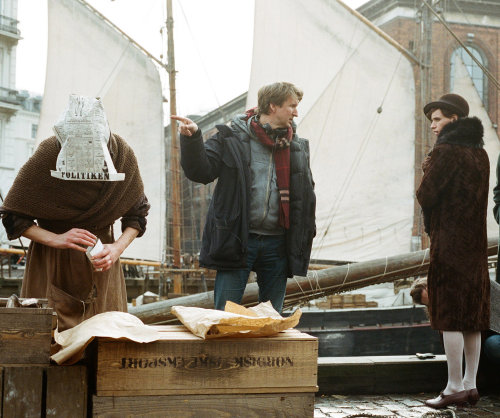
pixel 186 126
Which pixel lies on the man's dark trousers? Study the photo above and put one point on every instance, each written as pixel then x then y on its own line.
pixel 267 257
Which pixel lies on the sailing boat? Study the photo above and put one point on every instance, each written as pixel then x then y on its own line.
pixel 359 113
pixel 100 61
pixel 355 79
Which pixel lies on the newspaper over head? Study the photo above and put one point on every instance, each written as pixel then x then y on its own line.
pixel 83 132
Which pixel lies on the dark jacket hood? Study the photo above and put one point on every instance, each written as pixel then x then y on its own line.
pixel 467 132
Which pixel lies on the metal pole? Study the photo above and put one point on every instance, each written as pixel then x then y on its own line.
pixel 426 81
pixel 174 154
pixel 422 133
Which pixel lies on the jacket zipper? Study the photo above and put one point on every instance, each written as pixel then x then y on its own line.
pixel 268 187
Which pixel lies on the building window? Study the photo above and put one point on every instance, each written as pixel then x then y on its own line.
pixel 476 73
pixel 34 130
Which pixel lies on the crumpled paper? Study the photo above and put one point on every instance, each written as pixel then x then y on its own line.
pixel 236 321
pixel 119 325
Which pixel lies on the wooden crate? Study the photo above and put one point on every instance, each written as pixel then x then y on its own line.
pixel 43 391
pixel 22 391
pixel 348 299
pixel 181 406
pixel 359 300
pixel 25 335
pixel 66 391
pixel 181 363
pixel 335 299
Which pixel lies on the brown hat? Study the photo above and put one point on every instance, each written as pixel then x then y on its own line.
pixel 452 102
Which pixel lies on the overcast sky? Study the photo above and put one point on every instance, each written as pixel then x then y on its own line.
pixel 213 45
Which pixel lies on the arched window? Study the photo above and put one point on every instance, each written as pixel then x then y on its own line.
pixel 476 73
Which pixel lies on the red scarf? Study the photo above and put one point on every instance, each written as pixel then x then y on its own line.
pixel 281 155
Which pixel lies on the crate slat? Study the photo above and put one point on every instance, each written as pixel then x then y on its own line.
pixel 25 335
pixel 66 391
pixel 248 405
pixel 22 391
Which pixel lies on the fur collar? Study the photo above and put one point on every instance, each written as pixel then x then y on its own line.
pixel 467 132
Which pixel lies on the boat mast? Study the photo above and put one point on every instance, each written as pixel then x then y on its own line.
pixel 174 153
pixel 422 134
pixel 426 83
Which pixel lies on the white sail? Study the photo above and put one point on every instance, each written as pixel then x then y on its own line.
pixel 358 112
pixel 86 56
pixel 464 86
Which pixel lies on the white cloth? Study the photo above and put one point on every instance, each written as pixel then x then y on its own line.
pixel 108 324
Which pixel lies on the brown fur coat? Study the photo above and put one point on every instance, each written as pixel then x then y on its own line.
pixel 454 198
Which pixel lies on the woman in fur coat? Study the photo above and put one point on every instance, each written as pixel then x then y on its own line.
pixel 454 198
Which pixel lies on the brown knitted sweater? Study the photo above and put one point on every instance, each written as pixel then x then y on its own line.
pixel 63 204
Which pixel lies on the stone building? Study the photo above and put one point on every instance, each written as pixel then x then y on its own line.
pixel 9 102
pixel 19 135
pixel 19 110
pixel 476 23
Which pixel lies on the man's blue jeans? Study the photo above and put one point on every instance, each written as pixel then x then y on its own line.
pixel 267 257
pixel 492 348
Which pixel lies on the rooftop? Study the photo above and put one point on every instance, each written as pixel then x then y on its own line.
pixel 375 9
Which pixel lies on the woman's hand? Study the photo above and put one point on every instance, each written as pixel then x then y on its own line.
pixel 75 239
pixel 107 257
pixel 112 252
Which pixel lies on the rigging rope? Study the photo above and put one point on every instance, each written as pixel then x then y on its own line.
pixel 359 155
pixel 201 60
pixel 339 73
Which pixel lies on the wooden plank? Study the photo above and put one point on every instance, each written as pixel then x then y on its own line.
pixel 66 391
pixel 22 391
pixel 400 359
pixel 258 405
pixel 371 375
pixel 42 303
pixel 25 335
pixel 180 332
pixel 168 367
pixel 1 390
pixel 207 391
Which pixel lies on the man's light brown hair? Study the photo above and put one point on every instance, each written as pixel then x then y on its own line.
pixel 277 94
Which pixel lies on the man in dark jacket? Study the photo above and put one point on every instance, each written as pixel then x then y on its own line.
pixel 262 214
